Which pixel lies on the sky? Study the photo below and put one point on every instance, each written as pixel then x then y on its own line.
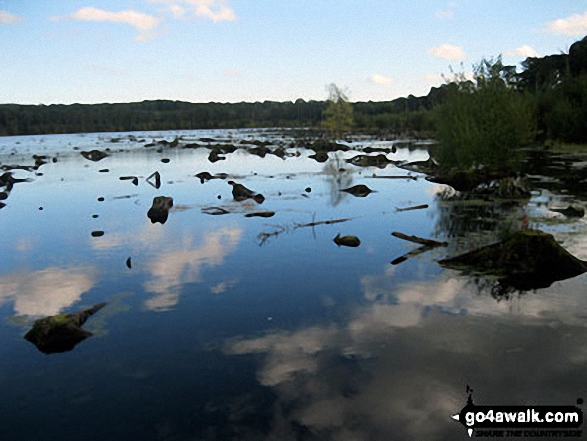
pixel 96 51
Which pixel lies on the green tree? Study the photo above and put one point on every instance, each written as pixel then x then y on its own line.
pixel 338 116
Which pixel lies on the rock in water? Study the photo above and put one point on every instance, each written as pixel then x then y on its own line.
pixel 61 332
pixel 94 155
pixel 359 191
pixel 379 161
pixel 530 259
pixel 570 211
pixel 159 211
pixel 241 193
pixel 347 241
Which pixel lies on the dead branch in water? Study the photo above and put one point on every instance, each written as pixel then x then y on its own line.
pixel 419 240
pixel 326 222
pixel 415 207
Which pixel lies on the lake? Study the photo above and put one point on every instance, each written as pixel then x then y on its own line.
pixel 223 326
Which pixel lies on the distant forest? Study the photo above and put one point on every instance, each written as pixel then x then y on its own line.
pixel 177 115
pixel 556 84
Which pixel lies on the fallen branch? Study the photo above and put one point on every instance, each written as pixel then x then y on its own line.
pixel 415 207
pixel 412 253
pixel 413 178
pixel 327 222
pixel 419 240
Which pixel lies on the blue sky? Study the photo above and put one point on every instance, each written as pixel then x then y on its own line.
pixel 92 51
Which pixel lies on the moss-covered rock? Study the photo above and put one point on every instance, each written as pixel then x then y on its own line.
pixel 530 259
pixel 61 332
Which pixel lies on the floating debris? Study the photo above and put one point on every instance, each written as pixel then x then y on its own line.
pixel 104 170
pixel 97 233
pixel 61 332
pixel 347 241
pixel 165 160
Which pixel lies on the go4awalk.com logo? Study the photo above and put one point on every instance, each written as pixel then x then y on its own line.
pixel 520 421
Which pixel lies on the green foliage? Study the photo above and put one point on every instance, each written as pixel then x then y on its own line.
pixel 483 120
pixel 338 116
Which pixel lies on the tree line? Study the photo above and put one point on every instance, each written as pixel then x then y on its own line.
pixel 554 87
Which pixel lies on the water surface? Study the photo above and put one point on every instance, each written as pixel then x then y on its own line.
pixel 229 327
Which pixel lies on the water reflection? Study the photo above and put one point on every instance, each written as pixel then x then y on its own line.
pixel 398 368
pixel 47 291
pixel 175 267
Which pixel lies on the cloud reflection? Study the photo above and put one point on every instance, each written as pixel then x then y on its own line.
pixel 46 292
pixel 398 367
pixel 176 267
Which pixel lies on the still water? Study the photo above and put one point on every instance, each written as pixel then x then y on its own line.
pixel 226 327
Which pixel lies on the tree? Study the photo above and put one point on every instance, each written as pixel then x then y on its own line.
pixel 338 116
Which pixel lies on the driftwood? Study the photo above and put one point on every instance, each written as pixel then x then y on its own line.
pixel 327 222
pixel 419 240
pixel 427 245
pixel 412 253
pixel 413 178
pixel 415 207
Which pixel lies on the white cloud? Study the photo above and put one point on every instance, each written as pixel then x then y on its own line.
pixel 523 51
pixel 143 23
pixel 381 80
pixel 448 52
pixel 215 10
pixel 573 26
pixel 8 18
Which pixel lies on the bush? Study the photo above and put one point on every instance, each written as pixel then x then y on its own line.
pixel 484 120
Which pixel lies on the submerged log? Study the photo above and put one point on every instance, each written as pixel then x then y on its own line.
pixel 61 332
pixel 530 259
